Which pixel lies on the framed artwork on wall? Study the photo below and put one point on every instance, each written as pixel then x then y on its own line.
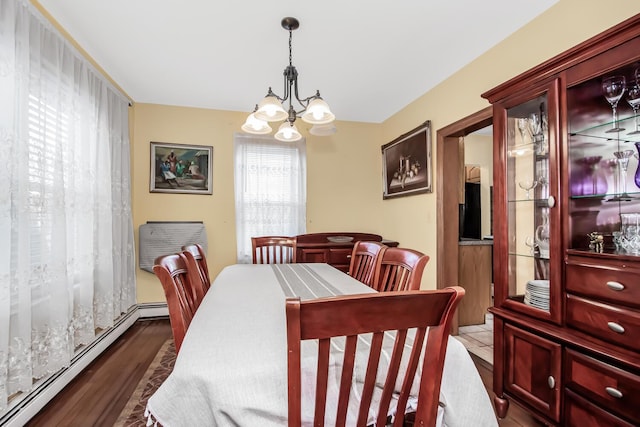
pixel 406 163
pixel 179 168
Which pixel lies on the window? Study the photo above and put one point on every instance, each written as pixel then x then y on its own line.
pixel 270 189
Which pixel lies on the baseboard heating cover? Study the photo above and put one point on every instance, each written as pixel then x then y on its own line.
pixel 158 238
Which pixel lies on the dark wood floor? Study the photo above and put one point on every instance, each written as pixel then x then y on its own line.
pixel 97 396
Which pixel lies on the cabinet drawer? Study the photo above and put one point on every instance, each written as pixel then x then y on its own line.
pixel 311 255
pixel 608 322
pixel 608 386
pixel 579 412
pixel 340 256
pixel 612 282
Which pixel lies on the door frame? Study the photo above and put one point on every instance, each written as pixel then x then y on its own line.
pixel 447 177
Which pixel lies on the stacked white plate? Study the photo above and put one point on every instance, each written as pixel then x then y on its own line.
pixel 537 294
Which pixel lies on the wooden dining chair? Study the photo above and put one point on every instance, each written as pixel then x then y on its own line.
pixel 363 260
pixel 273 249
pixel 197 267
pixel 367 327
pixel 176 282
pixel 399 269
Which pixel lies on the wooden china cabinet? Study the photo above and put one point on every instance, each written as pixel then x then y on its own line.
pixel 566 270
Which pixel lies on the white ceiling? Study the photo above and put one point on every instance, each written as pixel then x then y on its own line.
pixel 368 58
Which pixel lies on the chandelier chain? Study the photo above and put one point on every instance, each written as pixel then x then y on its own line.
pixel 290 47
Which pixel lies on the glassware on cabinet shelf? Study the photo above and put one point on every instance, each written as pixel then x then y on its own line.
pixel 522 128
pixel 623 164
pixel 535 127
pixel 528 185
pixel 543 235
pixel 630 232
pixel 613 88
pixel 633 99
pixel 530 242
pixel 636 178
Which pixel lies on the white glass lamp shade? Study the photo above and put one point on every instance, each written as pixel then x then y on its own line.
pixel 323 130
pixel 270 110
pixel 318 113
pixel 256 126
pixel 287 132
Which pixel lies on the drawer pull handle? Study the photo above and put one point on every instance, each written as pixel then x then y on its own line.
pixel 614 392
pixel 551 381
pixel 615 286
pixel 615 327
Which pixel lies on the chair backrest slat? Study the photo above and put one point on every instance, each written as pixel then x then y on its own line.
pixel 366 326
pixel 198 269
pixel 363 260
pixel 273 249
pixel 399 269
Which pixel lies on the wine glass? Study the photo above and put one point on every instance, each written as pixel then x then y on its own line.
pixel 522 127
pixel 535 126
pixel 623 164
pixel 633 98
pixel 528 185
pixel 531 243
pixel 613 88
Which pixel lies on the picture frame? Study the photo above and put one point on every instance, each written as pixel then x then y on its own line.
pixel 181 168
pixel 406 163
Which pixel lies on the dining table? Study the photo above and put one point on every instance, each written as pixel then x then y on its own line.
pixel 232 367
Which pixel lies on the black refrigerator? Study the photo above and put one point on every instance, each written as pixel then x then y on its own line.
pixel 470 213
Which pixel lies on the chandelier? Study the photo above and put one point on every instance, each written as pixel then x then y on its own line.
pixel 313 110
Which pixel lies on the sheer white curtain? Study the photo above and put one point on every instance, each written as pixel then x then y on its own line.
pixel 270 189
pixel 67 252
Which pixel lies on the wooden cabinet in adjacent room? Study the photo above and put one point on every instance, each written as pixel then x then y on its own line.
pixel 567 235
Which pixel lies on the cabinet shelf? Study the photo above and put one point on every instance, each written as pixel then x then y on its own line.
pixel 599 130
pixel 611 197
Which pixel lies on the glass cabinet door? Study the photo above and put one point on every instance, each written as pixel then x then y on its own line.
pixel 532 242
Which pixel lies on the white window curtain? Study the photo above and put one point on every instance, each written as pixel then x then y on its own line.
pixel 270 189
pixel 67 266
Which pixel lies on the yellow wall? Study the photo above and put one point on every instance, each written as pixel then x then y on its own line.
pixel 344 171
pixel 338 185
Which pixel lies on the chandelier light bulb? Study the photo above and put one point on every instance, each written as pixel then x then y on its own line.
pixel 270 110
pixel 288 132
pixel 256 126
pixel 318 112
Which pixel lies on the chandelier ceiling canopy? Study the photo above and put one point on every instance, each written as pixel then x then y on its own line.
pixel 313 109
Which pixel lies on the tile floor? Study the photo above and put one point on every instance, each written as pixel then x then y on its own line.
pixel 478 339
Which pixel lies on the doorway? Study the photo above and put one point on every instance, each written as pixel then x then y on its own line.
pixel 451 178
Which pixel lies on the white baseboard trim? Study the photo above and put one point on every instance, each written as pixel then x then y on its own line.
pixel 156 309
pixel 23 408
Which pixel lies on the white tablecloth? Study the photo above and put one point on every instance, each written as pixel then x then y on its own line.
pixel 232 366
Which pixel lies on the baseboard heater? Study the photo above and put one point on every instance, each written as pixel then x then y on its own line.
pixel 25 407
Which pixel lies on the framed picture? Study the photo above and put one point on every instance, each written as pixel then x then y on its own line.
pixel 406 163
pixel 178 168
